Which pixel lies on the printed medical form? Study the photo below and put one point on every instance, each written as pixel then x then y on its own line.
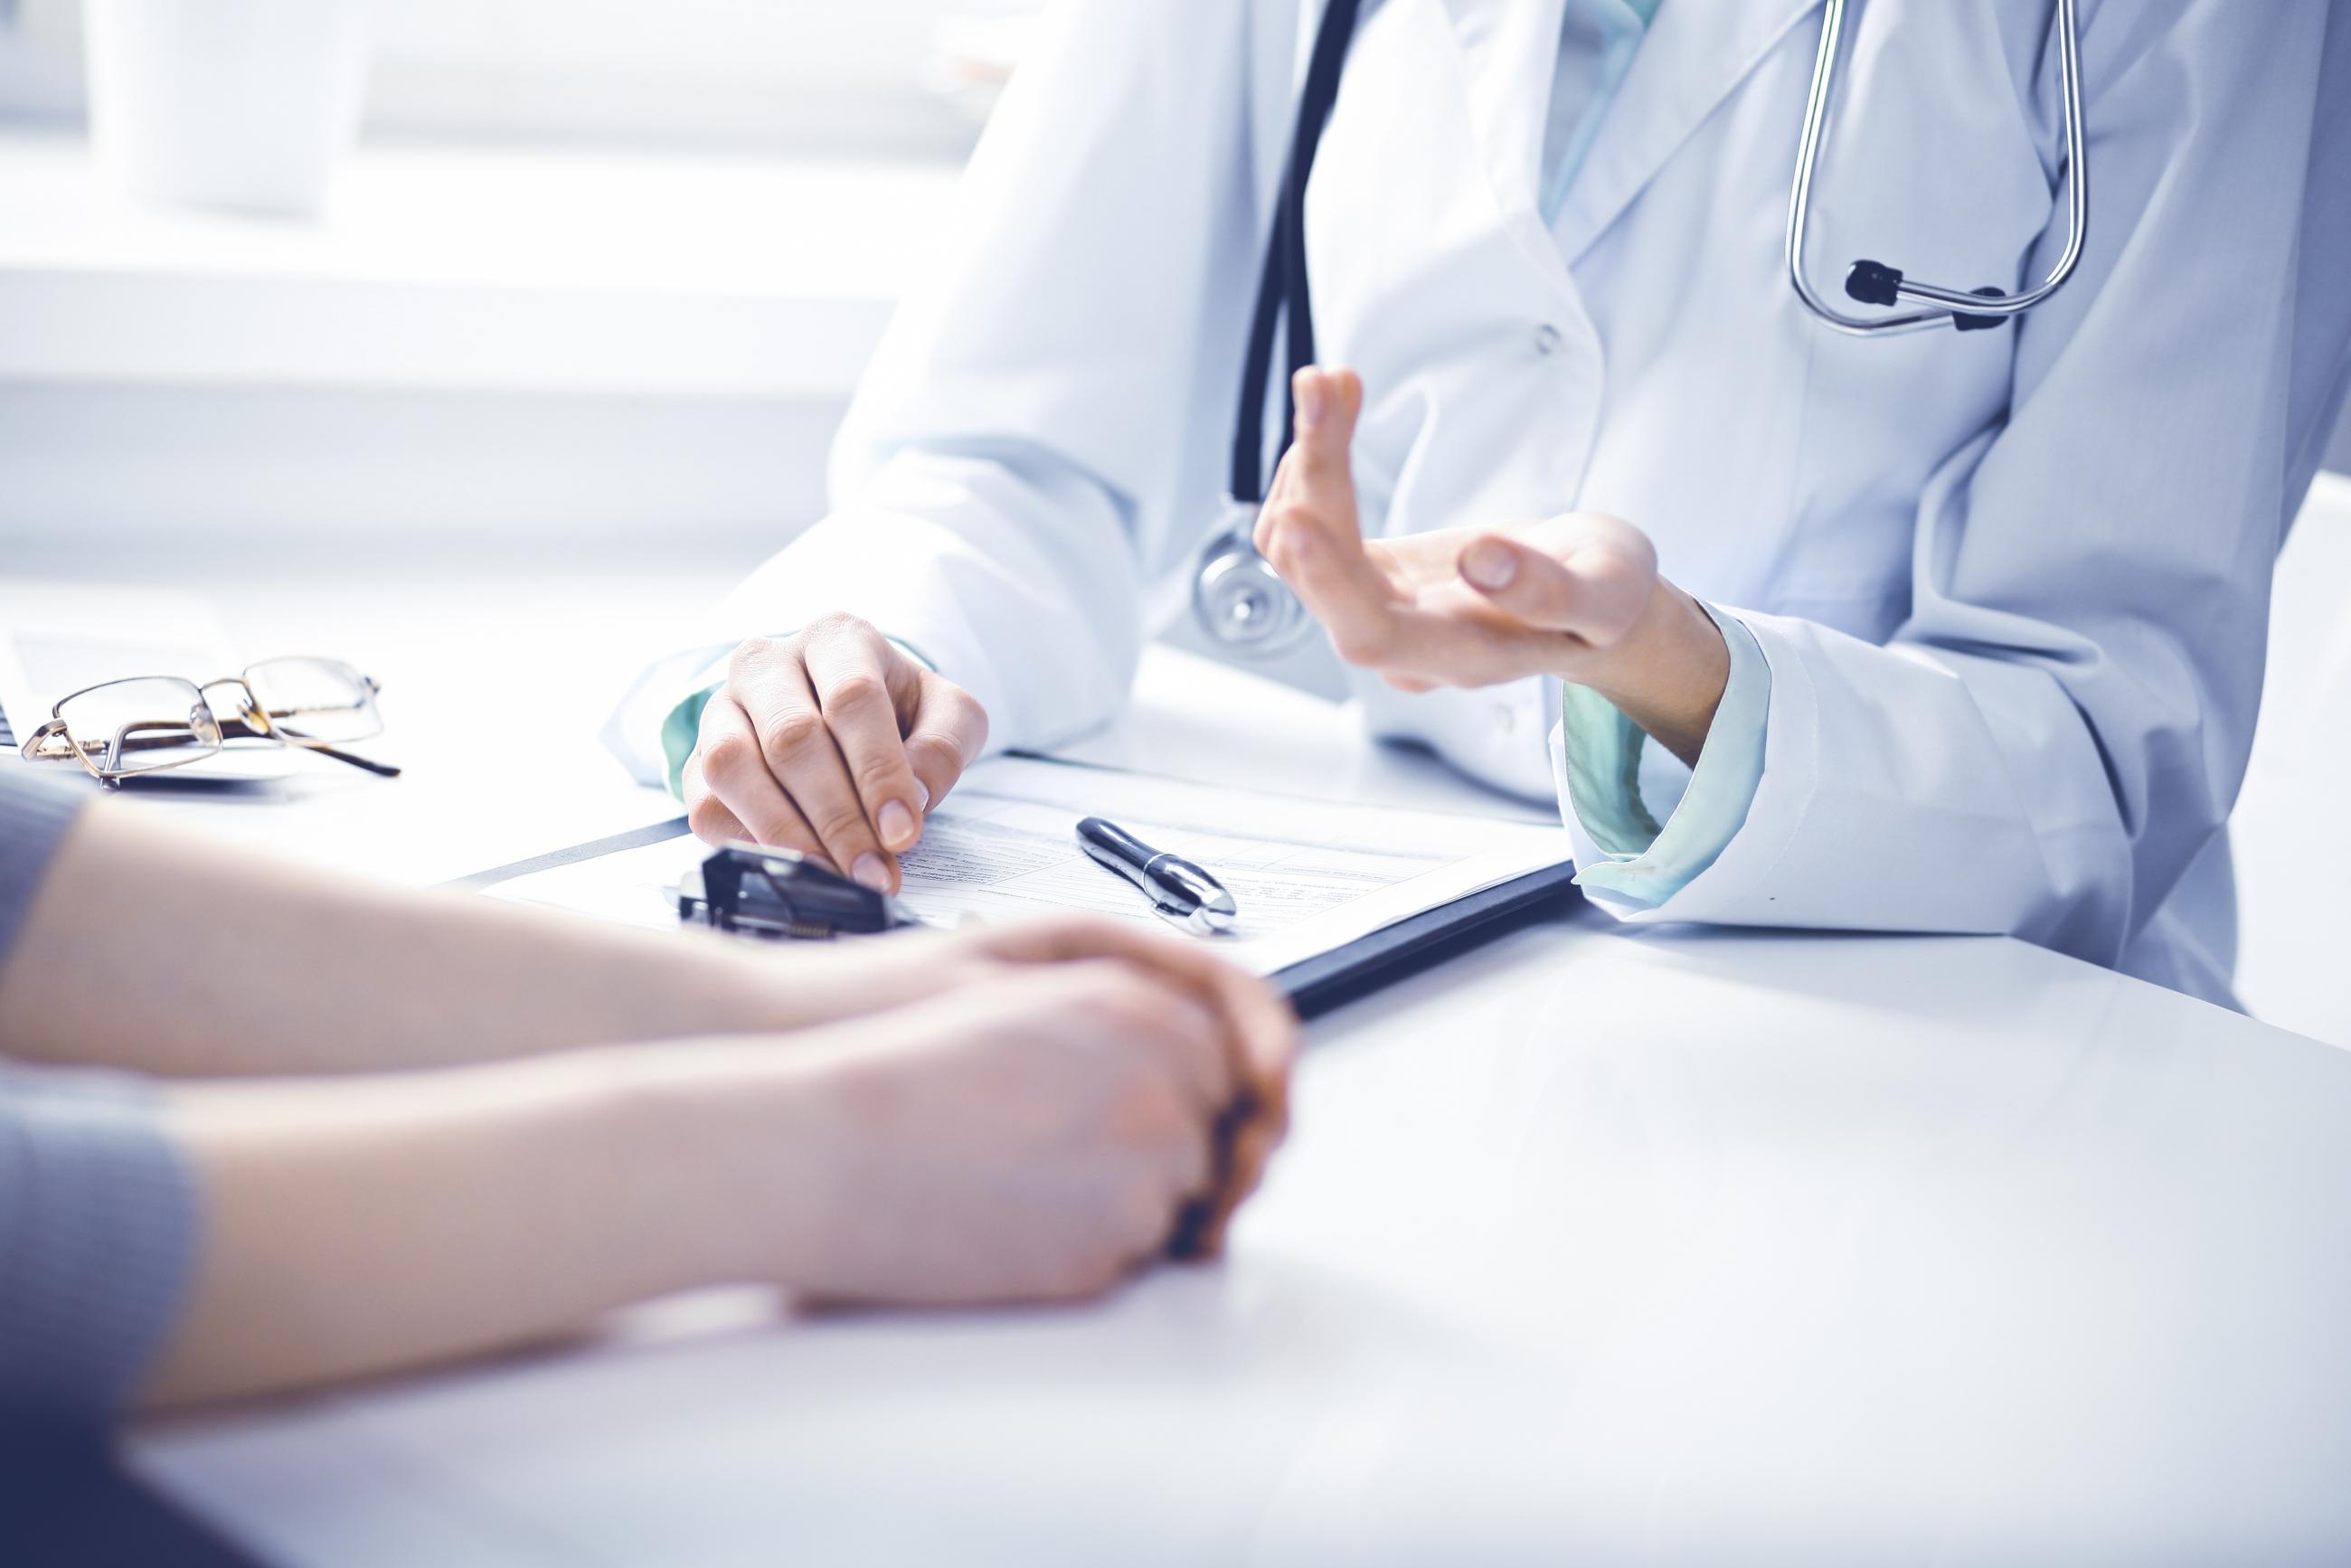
pixel 1309 875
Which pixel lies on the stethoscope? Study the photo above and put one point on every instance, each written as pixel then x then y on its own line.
pixel 1241 603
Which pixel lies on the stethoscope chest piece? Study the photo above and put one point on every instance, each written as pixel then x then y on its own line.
pixel 1239 600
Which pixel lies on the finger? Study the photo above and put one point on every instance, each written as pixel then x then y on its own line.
pixel 946 735
pixel 1259 1039
pixel 799 751
pixel 1589 576
pixel 1321 456
pixel 849 667
pixel 1451 636
pixel 1314 484
pixel 1335 580
pixel 1260 1030
pixel 1202 1228
pixel 1310 529
pixel 1192 1031
pixel 1421 560
pixel 742 792
pixel 706 814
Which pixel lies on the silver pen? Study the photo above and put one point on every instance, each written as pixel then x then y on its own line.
pixel 1181 893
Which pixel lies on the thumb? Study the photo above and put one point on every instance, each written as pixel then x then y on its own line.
pixel 1588 575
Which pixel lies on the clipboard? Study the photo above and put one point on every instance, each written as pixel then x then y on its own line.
pixel 1421 942
pixel 1314 986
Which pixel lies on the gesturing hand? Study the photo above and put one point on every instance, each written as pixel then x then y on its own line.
pixel 1577 596
pixel 832 742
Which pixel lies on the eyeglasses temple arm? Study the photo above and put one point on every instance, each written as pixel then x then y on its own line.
pixel 240 730
pixel 380 770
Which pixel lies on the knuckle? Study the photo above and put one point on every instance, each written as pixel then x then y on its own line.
pixel 1289 526
pixel 975 721
pixel 961 703
pixel 1360 643
pixel 1111 997
pixel 749 655
pixel 783 832
pixel 837 625
pixel 710 821
pixel 880 775
pixel 934 754
pixel 792 735
pixel 856 689
pixel 724 756
pixel 844 826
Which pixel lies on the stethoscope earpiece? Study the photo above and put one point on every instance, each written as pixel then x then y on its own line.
pixel 1876 284
pixel 1873 283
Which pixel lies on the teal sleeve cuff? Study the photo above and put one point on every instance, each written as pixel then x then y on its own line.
pixel 1646 864
pixel 679 729
pixel 682 726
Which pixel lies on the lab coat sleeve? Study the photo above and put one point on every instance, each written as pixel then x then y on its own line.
pixel 1055 395
pixel 2062 723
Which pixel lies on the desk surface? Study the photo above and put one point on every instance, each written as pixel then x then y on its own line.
pixel 1591 1246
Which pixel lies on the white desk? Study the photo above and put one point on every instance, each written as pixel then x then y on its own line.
pixel 1669 1249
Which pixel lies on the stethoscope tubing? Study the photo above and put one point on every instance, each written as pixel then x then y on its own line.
pixel 1284 311
pixel 1942 305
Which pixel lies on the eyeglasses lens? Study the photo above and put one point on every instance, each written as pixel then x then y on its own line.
pixel 138 726
pixel 315 699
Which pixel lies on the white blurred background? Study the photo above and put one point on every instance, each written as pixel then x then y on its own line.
pixel 595 266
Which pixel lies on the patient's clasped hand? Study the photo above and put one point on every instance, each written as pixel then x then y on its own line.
pixel 398 1127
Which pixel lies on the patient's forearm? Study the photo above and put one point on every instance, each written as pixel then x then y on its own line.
pixel 360 1226
pixel 151 950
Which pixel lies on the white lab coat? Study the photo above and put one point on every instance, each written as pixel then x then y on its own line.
pixel 2013 586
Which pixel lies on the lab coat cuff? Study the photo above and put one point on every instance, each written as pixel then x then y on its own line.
pixel 1636 864
pixel 1738 887
pixel 1600 773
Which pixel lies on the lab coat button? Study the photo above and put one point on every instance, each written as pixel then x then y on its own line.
pixel 1547 339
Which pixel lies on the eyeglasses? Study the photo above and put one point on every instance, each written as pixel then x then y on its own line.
pixel 148 723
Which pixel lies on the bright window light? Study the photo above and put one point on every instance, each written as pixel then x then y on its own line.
pixel 892 76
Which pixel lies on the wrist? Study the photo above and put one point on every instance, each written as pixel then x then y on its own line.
pixel 724 1142
pixel 768 988
pixel 1668 674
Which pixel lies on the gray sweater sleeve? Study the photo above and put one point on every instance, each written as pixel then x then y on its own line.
pixel 96 1207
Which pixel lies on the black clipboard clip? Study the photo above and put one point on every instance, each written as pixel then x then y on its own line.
pixel 776 893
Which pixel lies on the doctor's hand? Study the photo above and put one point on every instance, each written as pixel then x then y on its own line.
pixel 1576 596
pixel 833 742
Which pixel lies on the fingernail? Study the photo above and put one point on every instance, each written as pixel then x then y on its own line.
pixel 870 870
pixel 922 796
pixel 897 824
pixel 1309 399
pixel 1488 565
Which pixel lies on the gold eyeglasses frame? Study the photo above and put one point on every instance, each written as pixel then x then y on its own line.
pixel 203 726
